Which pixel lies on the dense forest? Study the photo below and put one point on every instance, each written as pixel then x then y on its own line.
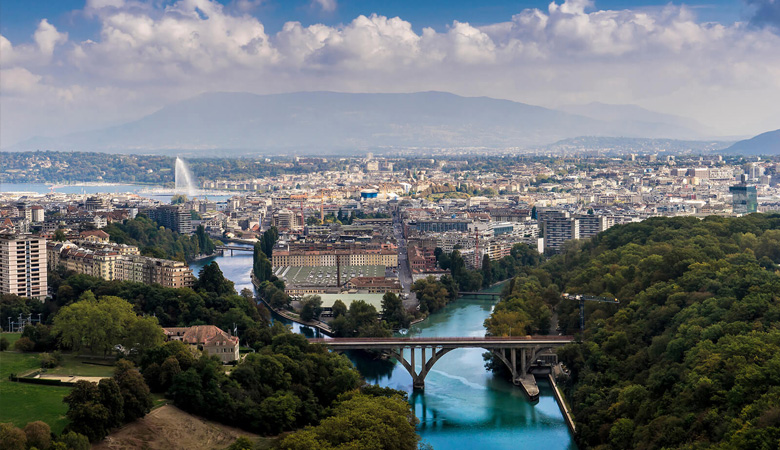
pixel 160 242
pixel 690 358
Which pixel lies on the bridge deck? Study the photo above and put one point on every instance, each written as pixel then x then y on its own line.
pixel 445 342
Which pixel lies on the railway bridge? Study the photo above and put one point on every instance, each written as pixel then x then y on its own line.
pixel 518 353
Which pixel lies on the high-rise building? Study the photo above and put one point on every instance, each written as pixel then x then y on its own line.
pixel 558 230
pixel 172 217
pixel 591 225
pixel 744 199
pixel 23 266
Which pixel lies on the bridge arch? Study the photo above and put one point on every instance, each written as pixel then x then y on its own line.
pixel 516 352
pixel 526 357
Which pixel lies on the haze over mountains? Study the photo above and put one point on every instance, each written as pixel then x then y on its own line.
pixel 340 122
pixel 764 144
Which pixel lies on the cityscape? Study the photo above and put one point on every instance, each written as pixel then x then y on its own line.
pixel 357 225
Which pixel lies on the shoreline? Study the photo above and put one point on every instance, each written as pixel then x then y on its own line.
pixel 562 405
pixel 321 326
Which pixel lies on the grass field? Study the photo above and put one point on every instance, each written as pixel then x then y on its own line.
pixel 72 365
pixel 22 402
pixel 12 337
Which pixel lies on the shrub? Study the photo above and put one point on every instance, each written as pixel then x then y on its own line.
pixel 4 344
pixel 24 345
pixel 51 360
pixel 38 435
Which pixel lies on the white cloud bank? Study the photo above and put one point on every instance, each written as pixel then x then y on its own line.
pixel 727 76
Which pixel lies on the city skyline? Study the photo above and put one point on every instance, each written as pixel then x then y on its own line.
pixel 73 66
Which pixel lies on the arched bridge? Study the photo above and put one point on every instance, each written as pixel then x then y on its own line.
pixel 486 295
pixel 517 352
pixel 232 248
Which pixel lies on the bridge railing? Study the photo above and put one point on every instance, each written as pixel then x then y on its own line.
pixel 446 339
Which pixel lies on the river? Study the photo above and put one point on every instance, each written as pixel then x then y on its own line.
pixel 463 406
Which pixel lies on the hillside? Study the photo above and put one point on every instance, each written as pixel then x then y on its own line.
pixel 764 144
pixel 317 122
pixel 169 428
pixel 690 358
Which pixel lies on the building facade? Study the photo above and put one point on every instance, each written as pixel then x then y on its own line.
pixel 172 217
pixel 23 266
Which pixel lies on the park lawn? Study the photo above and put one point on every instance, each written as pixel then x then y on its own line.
pixel 73 365
pixel 23 402
pixel 12 338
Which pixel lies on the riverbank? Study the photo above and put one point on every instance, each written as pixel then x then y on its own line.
pixel 321 326
pixel 562 404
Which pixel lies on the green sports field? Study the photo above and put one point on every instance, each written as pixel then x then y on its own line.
pixel 21 403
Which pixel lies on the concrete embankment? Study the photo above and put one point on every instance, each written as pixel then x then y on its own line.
pixel 562 404
pixel 528 383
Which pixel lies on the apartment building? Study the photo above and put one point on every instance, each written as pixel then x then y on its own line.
pixel 110 264
pixel 23 266
pixel 172 217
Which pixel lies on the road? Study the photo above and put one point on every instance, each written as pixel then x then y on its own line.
pixel 404 272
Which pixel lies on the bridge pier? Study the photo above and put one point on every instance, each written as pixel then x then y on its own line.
pixel 418 378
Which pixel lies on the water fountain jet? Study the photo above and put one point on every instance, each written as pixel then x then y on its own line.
pixel 183 179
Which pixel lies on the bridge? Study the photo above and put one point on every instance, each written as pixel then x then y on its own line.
pixel 490 295
pixel 512 350
pixel 233 248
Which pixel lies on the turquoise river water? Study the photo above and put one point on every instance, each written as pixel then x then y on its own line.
pixel 463 406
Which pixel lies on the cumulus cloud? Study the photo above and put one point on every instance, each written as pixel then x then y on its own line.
pixel 150 54
pixel 45 39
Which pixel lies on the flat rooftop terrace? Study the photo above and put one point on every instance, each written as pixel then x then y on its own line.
pixel 325 275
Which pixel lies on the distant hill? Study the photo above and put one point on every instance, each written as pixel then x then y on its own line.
pixel 636 145
pixel 682 127
pixel 764 144
pixel 322 122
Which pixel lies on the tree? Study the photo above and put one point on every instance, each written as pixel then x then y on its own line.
pixel 74 441
pixel 393 311
pixel 487 272
pixel 24 344
pixel 432 294
pixel 241 443
pixel 168 371
pixel 261 266
pixel 311 307
pixel 111 398
pixel 95 325
pixel 11 437
pixel 205 243
pixel 339 309
pixel 135 392
pixel 211 279
pixel 59 235
pixel 178 199
pixel 143 334
pixel 268 241
pixel 86 413
pixel 361 421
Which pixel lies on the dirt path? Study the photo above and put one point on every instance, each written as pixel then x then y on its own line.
pixel 169 428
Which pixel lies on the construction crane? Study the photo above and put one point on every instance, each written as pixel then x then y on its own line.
pixel 587 298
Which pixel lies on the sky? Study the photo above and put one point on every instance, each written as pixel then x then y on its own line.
pixel 69 66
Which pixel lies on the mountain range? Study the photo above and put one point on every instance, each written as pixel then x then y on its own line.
pixel 327 122
pixel 764 144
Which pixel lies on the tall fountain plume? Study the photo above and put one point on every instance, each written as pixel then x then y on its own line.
pixel 184 182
